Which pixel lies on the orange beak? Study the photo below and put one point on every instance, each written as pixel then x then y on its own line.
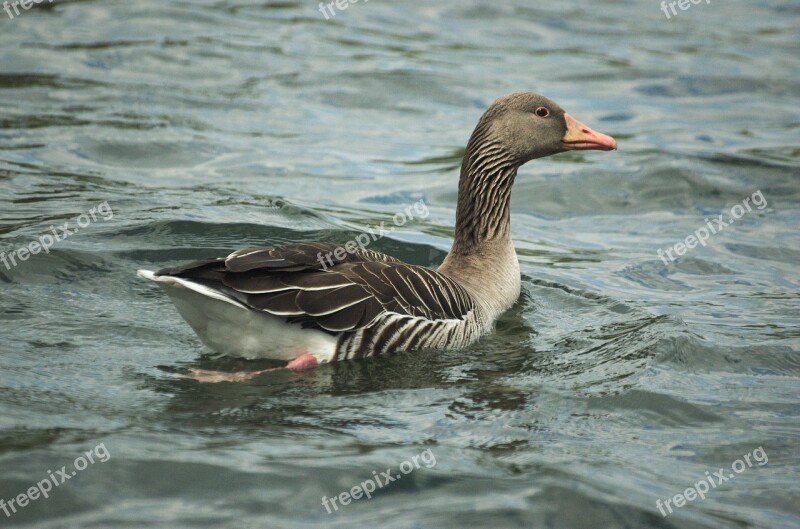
pixel 579 137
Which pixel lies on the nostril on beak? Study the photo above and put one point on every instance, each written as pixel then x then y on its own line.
pixel 579 136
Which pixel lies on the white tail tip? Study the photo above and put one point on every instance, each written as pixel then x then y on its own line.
pixel 147 274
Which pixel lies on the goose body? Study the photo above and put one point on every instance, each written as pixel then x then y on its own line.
pixel 280 302
pixel 286 303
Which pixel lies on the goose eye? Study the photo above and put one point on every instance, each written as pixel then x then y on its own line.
pixel 542 112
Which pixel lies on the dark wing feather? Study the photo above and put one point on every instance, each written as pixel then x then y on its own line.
pixel 324 302
pixel 296 257
pixel 280 304
pixel 294 282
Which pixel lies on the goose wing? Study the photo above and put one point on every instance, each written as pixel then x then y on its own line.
pixel 295 282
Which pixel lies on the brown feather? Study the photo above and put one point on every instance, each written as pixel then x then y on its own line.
pixel 290 281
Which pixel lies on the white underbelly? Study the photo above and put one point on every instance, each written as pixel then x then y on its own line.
pixel 234 330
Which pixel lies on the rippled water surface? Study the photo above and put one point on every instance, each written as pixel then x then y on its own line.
pixel 617 380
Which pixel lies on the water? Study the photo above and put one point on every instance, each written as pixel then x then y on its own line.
pixel 616 381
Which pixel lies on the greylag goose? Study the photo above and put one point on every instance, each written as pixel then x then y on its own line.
pixel 285 303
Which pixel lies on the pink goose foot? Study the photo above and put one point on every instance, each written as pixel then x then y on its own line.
pixel 304 361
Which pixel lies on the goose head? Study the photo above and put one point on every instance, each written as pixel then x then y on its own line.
pixel 522 126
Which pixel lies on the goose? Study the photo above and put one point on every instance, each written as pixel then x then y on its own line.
pixel 285 303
